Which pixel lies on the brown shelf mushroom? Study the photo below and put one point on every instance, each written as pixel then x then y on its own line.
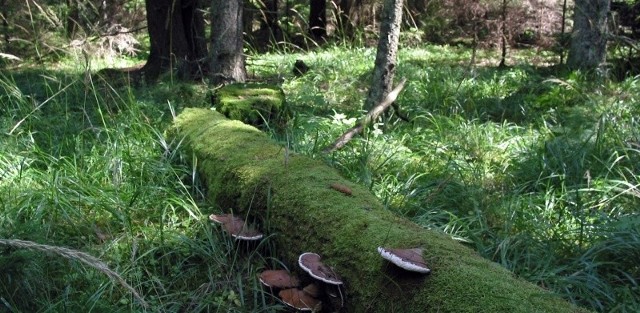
pixel 408 259
pixel 299 300
pixel 278 279
pixel 310 263
pixel 312 290
pixel 236 227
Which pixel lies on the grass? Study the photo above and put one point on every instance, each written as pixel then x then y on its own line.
pixel 87 171
pixel 535 168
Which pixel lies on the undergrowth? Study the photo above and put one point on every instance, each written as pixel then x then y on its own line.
pixel 99 213
pixel 535 168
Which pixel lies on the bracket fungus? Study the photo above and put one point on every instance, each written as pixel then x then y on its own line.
pixel 236 227
pixel 409 259
pixel 312 290
pixel 310 263
pixel 278 279
pixel 300 300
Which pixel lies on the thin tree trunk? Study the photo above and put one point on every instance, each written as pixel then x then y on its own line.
pixel 503 59
pixel 563 29
pixel 386 55
pixel 345 27
pixel 271 20
pixel 588 48
pixel 227 60
pixel 72 18
pixel 318 19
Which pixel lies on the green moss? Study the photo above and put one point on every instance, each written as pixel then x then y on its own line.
pixel 254 104
pixel 248 172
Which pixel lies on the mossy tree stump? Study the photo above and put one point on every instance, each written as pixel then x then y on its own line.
pixel 246 171
pixel 260 105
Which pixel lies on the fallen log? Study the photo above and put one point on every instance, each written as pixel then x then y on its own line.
pixel 245 170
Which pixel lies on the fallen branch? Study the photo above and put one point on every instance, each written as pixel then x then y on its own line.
pixel 371 116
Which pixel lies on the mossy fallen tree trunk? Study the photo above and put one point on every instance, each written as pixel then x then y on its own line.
pixel 246 171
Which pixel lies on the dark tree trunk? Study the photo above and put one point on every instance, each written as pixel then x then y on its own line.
pixel 176 34
pixel 318 19
pixel 563 31
pixel 503 26
pixel 588 49
pixel 386 55
pixel 72 18
pixel 227 60
pixel 345 27
pixel 270 23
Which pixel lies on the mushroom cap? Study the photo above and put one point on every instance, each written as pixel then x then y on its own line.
pixel 299 300
pixel 236 227
pixel 409 259
pixel 278 279
pixel 222 218
pixel 310 262
pixel 312 290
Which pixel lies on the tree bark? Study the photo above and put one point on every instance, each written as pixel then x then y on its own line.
pixel 386 55
pixel 72 18
pixel 345 27
pixel 318 19
pixel 588 49
pixel 176 35
pixel 227 59
pixel 270 22
pixel 291 198
pixel 503 30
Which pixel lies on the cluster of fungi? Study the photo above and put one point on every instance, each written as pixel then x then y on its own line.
pixel 326 283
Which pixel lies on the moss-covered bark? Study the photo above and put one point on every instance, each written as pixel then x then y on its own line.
pixel 254 104
pixel 246 171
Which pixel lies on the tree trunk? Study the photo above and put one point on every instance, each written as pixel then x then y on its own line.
pixel 296 202
pixel 318 19
pixel 386 55
pixel 72 18
pixel 270 22
pixel 176 35
pixel 227 60
pixel 503 29
pixel 345 28
pixel 588 49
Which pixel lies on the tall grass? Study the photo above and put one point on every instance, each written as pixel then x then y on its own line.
pixel 86 174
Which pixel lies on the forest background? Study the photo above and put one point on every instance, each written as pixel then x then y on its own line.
pixel 498 143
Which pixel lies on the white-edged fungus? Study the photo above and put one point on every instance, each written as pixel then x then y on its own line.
pixel 409 259
pixel 236 227
pixel 310 263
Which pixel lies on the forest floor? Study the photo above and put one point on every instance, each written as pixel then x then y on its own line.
pixel 535 167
